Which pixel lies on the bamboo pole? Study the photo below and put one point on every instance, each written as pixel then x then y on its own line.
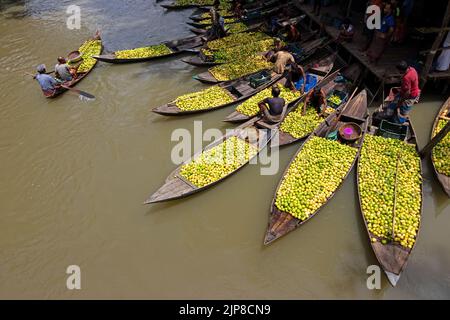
pixel 436 139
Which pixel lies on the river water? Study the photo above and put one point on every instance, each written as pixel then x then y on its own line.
pixel 74 175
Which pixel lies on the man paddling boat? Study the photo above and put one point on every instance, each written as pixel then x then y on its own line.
pixel 48 83
pixel 273 108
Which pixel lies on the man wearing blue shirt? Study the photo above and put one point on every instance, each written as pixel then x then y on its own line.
pixel 382 35
pixel 48 84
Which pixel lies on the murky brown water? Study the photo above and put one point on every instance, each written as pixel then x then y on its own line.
pixel 74 175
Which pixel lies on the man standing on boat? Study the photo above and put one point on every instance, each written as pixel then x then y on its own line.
pixel 48 84
pixel 62 70
pixel 282 59
pixel 409 93
pixel 317 99
pixel 273 108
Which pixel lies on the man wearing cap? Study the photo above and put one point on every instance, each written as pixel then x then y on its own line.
pixel 62 70
pixel 48 84
pixel 409 93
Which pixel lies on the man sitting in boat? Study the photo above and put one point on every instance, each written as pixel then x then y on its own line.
pixel 48 83
pixel 272 108
pixel 296 73
pixel 62 70
pixel 409 94
pixel 317 99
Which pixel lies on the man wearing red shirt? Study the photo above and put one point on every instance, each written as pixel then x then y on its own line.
pixel 409 93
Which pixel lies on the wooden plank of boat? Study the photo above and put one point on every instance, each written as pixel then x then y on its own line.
pixel 176 187
pixel 442 114
pixel 280 222
pixel 176 47
pixel 239 89
pixel 198 31
pixel 80 76
pixel 391 256
pixel 322 67
pixel 309 49
pixel 197 61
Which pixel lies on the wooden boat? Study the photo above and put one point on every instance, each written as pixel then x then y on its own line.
pixel 320 68
pixel 174 6
pixel 176 186
pixel 239 89
pixel 309 49
pixel 80 76
pixel 251 27
pixel 444 113
pixel 199 61
pixel 257 15
pixel 280 222
pixel 391 256
pixel 198 17
pixel 207 25
pixel 176 46
pixel 250 7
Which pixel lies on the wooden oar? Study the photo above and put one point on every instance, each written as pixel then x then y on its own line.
pixel 80 93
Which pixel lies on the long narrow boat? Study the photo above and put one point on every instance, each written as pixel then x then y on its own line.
pixel 173 47
pixel 80 75
pixel 443 115
pixel 199 60
pixel 237 90
pixel 320 69
pixel 250 7
pixel 307 203
pixel 178 186
pixel 174 6
pixel 256 16
pixel 250 26
pixel 201 16
pixel 309 49
pixel 390 253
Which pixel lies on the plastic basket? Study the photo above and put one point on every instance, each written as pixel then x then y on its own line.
pixel 392 130
pixel 340 94
pixel 260 78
